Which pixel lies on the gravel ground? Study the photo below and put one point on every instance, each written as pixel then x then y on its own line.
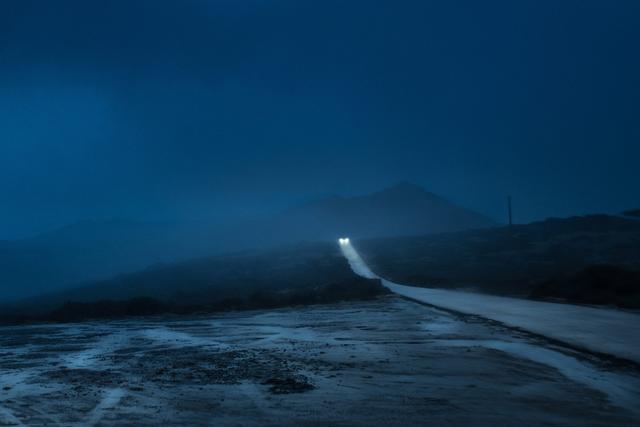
pixel 385 362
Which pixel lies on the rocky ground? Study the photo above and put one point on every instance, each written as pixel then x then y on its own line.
pixel 383 362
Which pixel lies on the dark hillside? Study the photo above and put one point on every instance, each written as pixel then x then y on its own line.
pixel 507 260
pixel 301 274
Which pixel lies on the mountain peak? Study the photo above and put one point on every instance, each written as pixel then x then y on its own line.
pixel 405 187
pixel 402 209
pixel 406 191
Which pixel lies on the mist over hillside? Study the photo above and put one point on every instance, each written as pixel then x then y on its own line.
pixel 94 250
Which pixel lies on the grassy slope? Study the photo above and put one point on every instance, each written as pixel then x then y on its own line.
pixel 301 274
pixel 510 261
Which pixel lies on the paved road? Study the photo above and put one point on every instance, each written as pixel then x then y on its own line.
pixel 607 331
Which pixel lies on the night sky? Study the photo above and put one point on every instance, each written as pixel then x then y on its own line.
pixel 214 109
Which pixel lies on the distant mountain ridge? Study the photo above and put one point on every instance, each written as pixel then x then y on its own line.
pixel 94 250
pixel 404 209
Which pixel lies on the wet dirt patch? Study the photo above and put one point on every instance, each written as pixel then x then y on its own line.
pixel 198 366
pixel 385 362
pixel 288 385
pixel 85 377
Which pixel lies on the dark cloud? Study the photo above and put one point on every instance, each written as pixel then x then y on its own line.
pixel 193 109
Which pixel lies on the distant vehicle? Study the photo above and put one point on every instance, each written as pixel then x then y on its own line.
pixel 344 241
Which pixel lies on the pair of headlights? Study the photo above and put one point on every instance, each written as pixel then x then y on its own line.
pixel 344 241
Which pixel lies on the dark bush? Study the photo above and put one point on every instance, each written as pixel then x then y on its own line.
pixel 104 309
pixel 633 212
pixel 354 289
pixel 596 284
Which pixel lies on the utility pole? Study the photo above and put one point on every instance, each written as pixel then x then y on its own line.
pixel 510 212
